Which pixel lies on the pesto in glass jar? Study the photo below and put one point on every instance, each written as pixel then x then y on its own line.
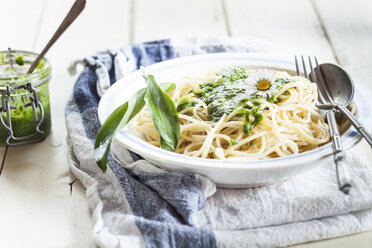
pixel 21 91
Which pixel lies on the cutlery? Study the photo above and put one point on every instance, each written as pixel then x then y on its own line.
pixel 343 176
pixel 341 91
pixel 74 12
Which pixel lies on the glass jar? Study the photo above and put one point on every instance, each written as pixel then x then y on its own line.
pixel 24 99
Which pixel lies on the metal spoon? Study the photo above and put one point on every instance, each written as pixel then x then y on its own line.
pixel 337 86
pixel 70 17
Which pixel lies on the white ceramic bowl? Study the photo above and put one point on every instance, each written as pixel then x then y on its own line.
pixel 231 174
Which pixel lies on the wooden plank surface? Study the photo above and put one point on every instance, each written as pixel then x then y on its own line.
pixel 292 26
pixel 34 191
pixel 349 27
pixel 19 25
pixel 87 35
pixel 34 188
pixel 172 18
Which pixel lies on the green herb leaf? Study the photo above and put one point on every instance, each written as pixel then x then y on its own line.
pixel 165 87
pixel 116 121
pixel 113 124
pixel 163 114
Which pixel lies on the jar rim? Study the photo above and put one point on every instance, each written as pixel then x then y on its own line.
pixel 44 73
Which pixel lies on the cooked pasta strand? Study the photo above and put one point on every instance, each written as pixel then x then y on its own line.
pixel 290 126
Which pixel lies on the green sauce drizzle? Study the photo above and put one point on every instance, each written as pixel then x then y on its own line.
pixel 224 95
pixel 185 105
pixel 228 93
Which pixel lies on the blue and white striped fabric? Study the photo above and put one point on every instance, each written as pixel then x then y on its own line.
pixel 136 204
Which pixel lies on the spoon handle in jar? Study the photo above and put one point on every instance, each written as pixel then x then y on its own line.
pixel 343 176
pixel 358 126
pixel 70 17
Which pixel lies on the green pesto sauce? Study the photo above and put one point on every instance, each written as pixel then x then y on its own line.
pixel 282 81
pixel 185 105
pixel 23 123
pixel 257 117
pixel 226 94
pixel 229 92
pixel 20 60
pixel 18 68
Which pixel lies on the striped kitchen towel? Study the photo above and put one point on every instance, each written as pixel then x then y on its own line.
pixel 136 204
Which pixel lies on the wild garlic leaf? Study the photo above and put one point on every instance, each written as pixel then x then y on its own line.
pixel 116 121
pixel 163 114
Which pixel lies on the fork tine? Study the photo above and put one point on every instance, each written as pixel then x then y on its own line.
pixel 297 68
pixel 304 66
pixel 312 72
pixel 320 95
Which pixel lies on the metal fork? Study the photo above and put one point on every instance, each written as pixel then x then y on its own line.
pixel 343 176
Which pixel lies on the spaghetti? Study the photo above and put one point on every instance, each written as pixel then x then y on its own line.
pixel 239 114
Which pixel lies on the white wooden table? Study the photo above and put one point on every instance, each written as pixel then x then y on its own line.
pixel 37 208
